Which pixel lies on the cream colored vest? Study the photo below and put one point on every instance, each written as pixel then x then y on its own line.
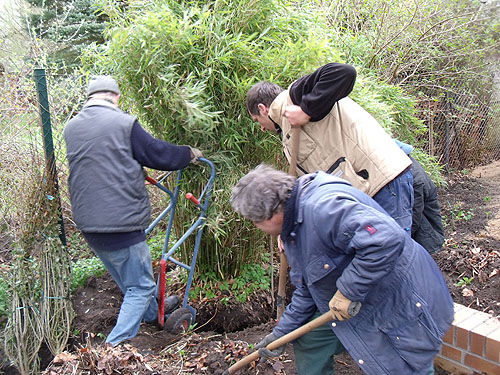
pixel 347 143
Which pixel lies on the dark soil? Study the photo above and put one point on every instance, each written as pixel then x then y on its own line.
pixel 470 261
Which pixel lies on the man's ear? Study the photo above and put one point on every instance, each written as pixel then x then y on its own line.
pixel 263 109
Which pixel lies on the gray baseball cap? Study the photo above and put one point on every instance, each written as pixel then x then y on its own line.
pixel 102 83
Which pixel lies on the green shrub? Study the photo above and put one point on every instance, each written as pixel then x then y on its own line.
pixel 4 301
pixel 84 268
pixel 184 69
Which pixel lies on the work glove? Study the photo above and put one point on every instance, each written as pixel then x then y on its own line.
pixel 195 154
pixel 266 353
pixel 339 306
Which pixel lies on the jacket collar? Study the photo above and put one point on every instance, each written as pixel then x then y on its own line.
pixel 101 103
pixel 292 215
pixel 276 108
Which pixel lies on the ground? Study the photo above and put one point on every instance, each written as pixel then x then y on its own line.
pixel 470 261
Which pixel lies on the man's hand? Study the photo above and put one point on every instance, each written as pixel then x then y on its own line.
pixel 296 116
pixel 281 247
pixel 339 306
pixel 195 154
pixel 266 353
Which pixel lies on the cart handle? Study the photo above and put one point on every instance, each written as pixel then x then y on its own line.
pixel 193 199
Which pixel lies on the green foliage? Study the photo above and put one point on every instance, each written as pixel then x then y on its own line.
pixel 155 243
pixel 68 25
pixel 391 106
pixel 253 277
pixel 85 268
pixel 184 69
pixel 431 166
pixel 456 214
pixel 4 301
pixel 424 45
pixel 464 281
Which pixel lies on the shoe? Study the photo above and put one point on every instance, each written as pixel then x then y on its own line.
pixel 171 304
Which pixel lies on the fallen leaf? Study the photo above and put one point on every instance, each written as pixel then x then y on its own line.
pixel 278 366
pixel 63 357
pixel 476 250
pixel 494 272
pixel 467 293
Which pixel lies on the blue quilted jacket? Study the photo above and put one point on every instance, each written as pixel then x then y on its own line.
pixel 337 237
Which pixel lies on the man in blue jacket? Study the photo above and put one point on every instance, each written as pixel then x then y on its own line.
pixel 342 247
pixel 107 150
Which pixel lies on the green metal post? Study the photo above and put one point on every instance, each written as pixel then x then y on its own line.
pixel 43 100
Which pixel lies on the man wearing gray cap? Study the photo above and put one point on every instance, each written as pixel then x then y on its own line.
pixel 107 150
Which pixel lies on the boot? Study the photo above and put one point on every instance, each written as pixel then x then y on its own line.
pixel 171 304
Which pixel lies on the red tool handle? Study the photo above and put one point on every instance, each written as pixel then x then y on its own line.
pixel 151 180
pixel 161 293
pixel 193 199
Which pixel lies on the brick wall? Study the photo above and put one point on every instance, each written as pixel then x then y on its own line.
pixel 472 345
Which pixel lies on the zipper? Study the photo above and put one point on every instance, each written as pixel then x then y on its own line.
pixel 336 164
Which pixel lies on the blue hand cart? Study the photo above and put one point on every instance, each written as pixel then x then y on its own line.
pixel 180 319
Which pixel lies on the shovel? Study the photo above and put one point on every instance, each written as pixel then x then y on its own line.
pixel 353 310
pixel 283 261
pixel 319 321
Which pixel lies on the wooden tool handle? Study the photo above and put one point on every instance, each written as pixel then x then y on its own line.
pixel 319 321
pixel 280 300
pixel 294 150
pixel 283 270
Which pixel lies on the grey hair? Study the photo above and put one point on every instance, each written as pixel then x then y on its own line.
pixel 262 92
pixel 262 192
pixel 104 95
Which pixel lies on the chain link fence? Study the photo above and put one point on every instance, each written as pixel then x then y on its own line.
pixel 464 130
pixel 22 143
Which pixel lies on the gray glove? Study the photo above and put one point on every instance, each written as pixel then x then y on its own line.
pixel 195 154
pixel 266 353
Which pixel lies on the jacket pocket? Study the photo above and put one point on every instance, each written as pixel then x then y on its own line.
pixel 346 171
pixel 319 268
pixel 413 334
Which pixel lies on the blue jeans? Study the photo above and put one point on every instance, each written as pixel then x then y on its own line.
pixel 396 198
pixel 131 269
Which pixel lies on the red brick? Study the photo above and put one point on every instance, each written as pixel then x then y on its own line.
pixel 462 338
pixel 465 326
pixel 449 337
pixel 452 366
pixel 478 334
pixel 451 353
pixel 493 346
pixel 477 363
pixel 477 345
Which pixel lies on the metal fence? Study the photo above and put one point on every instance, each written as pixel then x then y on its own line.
pixel 31 124
pixel 464 130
